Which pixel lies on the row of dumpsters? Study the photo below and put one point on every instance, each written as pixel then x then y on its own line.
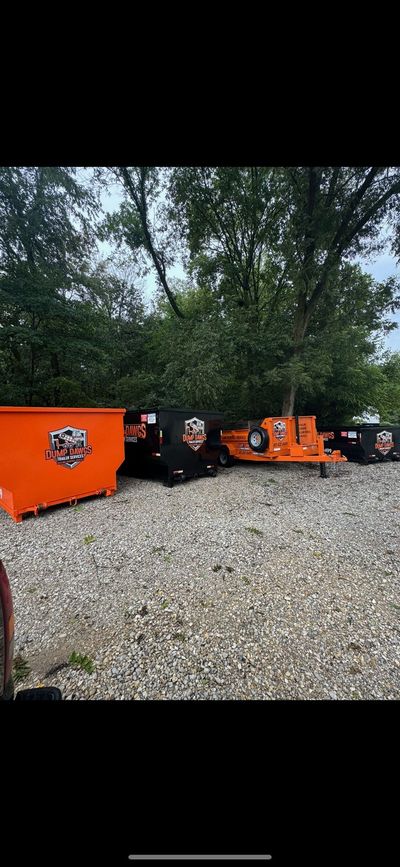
pixel 52 455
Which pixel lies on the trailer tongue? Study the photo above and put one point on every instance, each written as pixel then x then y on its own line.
pixel 290 438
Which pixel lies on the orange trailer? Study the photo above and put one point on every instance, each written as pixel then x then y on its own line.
pixel 55 455
pixel 290 438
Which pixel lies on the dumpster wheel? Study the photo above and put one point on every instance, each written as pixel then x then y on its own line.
pixel 224 458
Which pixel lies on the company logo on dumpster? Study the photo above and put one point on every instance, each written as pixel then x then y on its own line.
pixel 133 431
pixel 68 447
pixel 194 434
pixel 279 430
pixel 384 442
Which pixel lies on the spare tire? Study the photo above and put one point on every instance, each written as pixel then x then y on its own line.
pixel 258 439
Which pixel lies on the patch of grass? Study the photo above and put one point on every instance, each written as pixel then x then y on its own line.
pixel 21 668
pixel 78 508
pixel 255 531
pixel 165 603
pixel 32 589
pixel 167 558
pixel 158 550
pixel 244 579
pixel 216 567
pixel 392 605
pixel 88 539
pixel 317 554
pixel 179 636
pixel 272 482
pixel 78 660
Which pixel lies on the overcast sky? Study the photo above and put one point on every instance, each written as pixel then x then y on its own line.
pixel 380 268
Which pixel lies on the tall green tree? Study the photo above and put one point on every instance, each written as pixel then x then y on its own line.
pixel 278 246
pixel 46 235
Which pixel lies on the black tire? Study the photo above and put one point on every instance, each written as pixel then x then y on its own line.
pixel 224 458
pixel 258 439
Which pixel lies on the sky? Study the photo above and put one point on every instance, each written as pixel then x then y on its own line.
pixel 381 267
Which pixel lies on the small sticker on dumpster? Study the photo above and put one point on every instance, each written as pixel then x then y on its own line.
pixel 194 434
pixel 151 418
pixel 68 446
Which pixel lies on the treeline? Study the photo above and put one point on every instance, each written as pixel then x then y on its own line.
pixel 274 314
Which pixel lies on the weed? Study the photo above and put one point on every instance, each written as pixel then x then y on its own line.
pixel 78 508
pixel 77 660
pixel 165 603
pixel 297 531
pixel 158 550
pixel 317 554
pixel 32 589
pixel 244 579
pixel 217 567
pixel 392 605
pixel 21 668
pixel 255 531
pixel 179 636
pixel 88 539
pixel 272 482
pixel 167 558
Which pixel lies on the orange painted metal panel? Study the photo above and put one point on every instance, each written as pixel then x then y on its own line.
pixel 52 455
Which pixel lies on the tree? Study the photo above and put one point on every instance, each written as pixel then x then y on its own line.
pixel 332 215
pixel 140 222
pixel 45 236
pixel 274 242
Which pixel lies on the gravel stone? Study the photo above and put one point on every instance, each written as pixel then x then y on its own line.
pixel 180 598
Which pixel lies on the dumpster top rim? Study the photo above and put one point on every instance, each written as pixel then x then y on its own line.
pixel 59 409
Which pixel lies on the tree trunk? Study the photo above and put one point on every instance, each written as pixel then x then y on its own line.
pixel 299 330
pixel 289 396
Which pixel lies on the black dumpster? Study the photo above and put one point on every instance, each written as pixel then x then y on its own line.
pixel 365 443
pixel 174 443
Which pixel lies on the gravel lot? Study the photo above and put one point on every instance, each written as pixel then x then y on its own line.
pixel 266 582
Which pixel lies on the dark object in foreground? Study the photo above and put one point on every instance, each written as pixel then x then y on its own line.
pixel 45 693
pixel 174 443
pixel 365 443
pixel 50 693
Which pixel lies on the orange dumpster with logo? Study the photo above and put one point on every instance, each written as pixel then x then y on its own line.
pixel 52 455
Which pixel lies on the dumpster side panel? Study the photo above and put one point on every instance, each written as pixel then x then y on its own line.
pixel 57 454
pixel 191 440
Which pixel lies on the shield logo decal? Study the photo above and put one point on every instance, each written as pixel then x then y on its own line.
pixel 68 446
pixel 194 434
pixel 279 430
pixel 384 442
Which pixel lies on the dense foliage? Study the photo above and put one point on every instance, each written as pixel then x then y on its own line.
pixel 274 314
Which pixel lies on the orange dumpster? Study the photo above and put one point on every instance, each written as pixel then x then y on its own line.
pixel 55 455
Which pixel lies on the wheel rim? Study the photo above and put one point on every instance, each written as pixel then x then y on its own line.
pixel 223 459
pixel 255 439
